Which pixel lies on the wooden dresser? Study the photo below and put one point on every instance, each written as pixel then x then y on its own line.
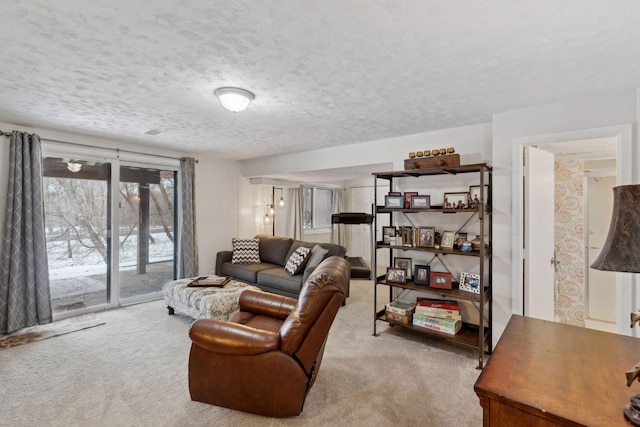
pixel 547 374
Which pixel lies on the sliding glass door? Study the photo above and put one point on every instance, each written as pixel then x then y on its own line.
pixel 81 220
pixel 147 230
pixel 77 206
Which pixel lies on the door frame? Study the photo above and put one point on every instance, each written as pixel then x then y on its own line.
pixel 624 134
pixel 115 158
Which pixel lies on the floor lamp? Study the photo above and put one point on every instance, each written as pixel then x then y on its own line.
pixel 621 253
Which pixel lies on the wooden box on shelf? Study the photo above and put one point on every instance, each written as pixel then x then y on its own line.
pixel 432 162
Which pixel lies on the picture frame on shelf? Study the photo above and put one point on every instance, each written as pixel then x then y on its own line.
pixel 470 282
pixel 388 233
pixel 440 280
pixel 396 275
pixel 420 202
pixel 393 202
pixel 455 201
pixel 407 198
pixel 421 274
pixel 406 233
pixel 448 238
pixel 395 193
pixel 426 237
pixel 475 192
pixel 404 263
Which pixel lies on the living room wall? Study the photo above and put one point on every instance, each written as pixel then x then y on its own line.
pixel 216 205
pixel 509 130
pixel 492 142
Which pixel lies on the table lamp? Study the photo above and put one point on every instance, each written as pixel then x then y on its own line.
pixel 621 252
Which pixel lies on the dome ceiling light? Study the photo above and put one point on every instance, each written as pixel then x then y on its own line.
pixel 234 99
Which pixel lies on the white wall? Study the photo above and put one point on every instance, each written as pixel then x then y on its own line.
pixel 508 127
pixel 217 192
pixel 473 143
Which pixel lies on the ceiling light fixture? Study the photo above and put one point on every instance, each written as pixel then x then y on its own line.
pixel 234 99
pixel 74 167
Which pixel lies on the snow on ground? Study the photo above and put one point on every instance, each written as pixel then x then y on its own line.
pixel 74 275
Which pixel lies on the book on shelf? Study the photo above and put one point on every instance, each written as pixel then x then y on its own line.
pixel 398 317
pixel 439 312
pixel 438 328
pixel 449 326
pixel 449 323
pixel 400 307
pixel 438 303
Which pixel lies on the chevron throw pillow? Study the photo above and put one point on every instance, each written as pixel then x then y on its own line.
pixel 297 260
pixel 245 251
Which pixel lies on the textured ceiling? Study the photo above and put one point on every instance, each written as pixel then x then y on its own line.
pixel 324 73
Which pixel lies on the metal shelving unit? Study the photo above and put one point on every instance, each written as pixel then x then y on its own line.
pixel 476 336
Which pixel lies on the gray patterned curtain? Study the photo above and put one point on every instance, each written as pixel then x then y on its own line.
pixel 25 297
pixel 188 247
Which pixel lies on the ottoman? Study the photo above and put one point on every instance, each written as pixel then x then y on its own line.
pixel 204 303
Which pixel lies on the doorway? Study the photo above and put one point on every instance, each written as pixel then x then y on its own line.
pixel 110 229
pixel 582 207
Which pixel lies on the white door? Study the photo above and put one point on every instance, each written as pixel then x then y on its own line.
pixel 538 251
pixel 360 234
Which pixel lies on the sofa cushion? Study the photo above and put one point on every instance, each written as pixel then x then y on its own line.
pixel 298 244
pixel 317 255
pixel 274 249
pixel 245 251
pixel 278 278
pixel 246 272
pixel 297 260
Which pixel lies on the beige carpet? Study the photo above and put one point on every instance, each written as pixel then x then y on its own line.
pixel 41 332
pixel 133 372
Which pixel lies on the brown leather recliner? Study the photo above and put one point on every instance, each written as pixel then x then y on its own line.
pixel 266 357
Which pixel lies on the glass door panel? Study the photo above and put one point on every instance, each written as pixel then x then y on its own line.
pixel 147 231
pixel 77 206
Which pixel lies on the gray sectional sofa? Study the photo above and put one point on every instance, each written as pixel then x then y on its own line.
pixel 270 275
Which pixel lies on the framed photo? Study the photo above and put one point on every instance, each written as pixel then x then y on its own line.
pixel 388 233
pixel 407 198
pixel 440 280
pixel 426 237
pixel 455 201
pixel 420 202
pixel 470 282
pixel 448 238
pixel 395 193
pixel 393 202
pixel 421 274
pixel 396 275
pixel 475 192
pixel 407 235
pixel 405 264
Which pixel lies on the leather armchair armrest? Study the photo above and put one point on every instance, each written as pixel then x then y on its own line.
pixel 266 304
pixel 221 258
pixel 232 338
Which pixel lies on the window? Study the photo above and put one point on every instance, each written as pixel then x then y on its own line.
pixel 86 271
pixel 317 207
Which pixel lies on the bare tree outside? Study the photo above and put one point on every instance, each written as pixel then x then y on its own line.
pixel 77 215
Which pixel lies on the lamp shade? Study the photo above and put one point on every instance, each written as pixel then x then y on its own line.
pixel 621 251
pixel 234 99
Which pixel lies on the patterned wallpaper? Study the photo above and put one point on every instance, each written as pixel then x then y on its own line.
pixel 569 241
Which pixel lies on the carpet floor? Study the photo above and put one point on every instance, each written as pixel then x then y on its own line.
pixel 132 371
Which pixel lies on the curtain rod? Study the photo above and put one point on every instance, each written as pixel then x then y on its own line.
pixel 117 150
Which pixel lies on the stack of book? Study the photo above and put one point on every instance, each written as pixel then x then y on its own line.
pixel 438 315
pixel 399 311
